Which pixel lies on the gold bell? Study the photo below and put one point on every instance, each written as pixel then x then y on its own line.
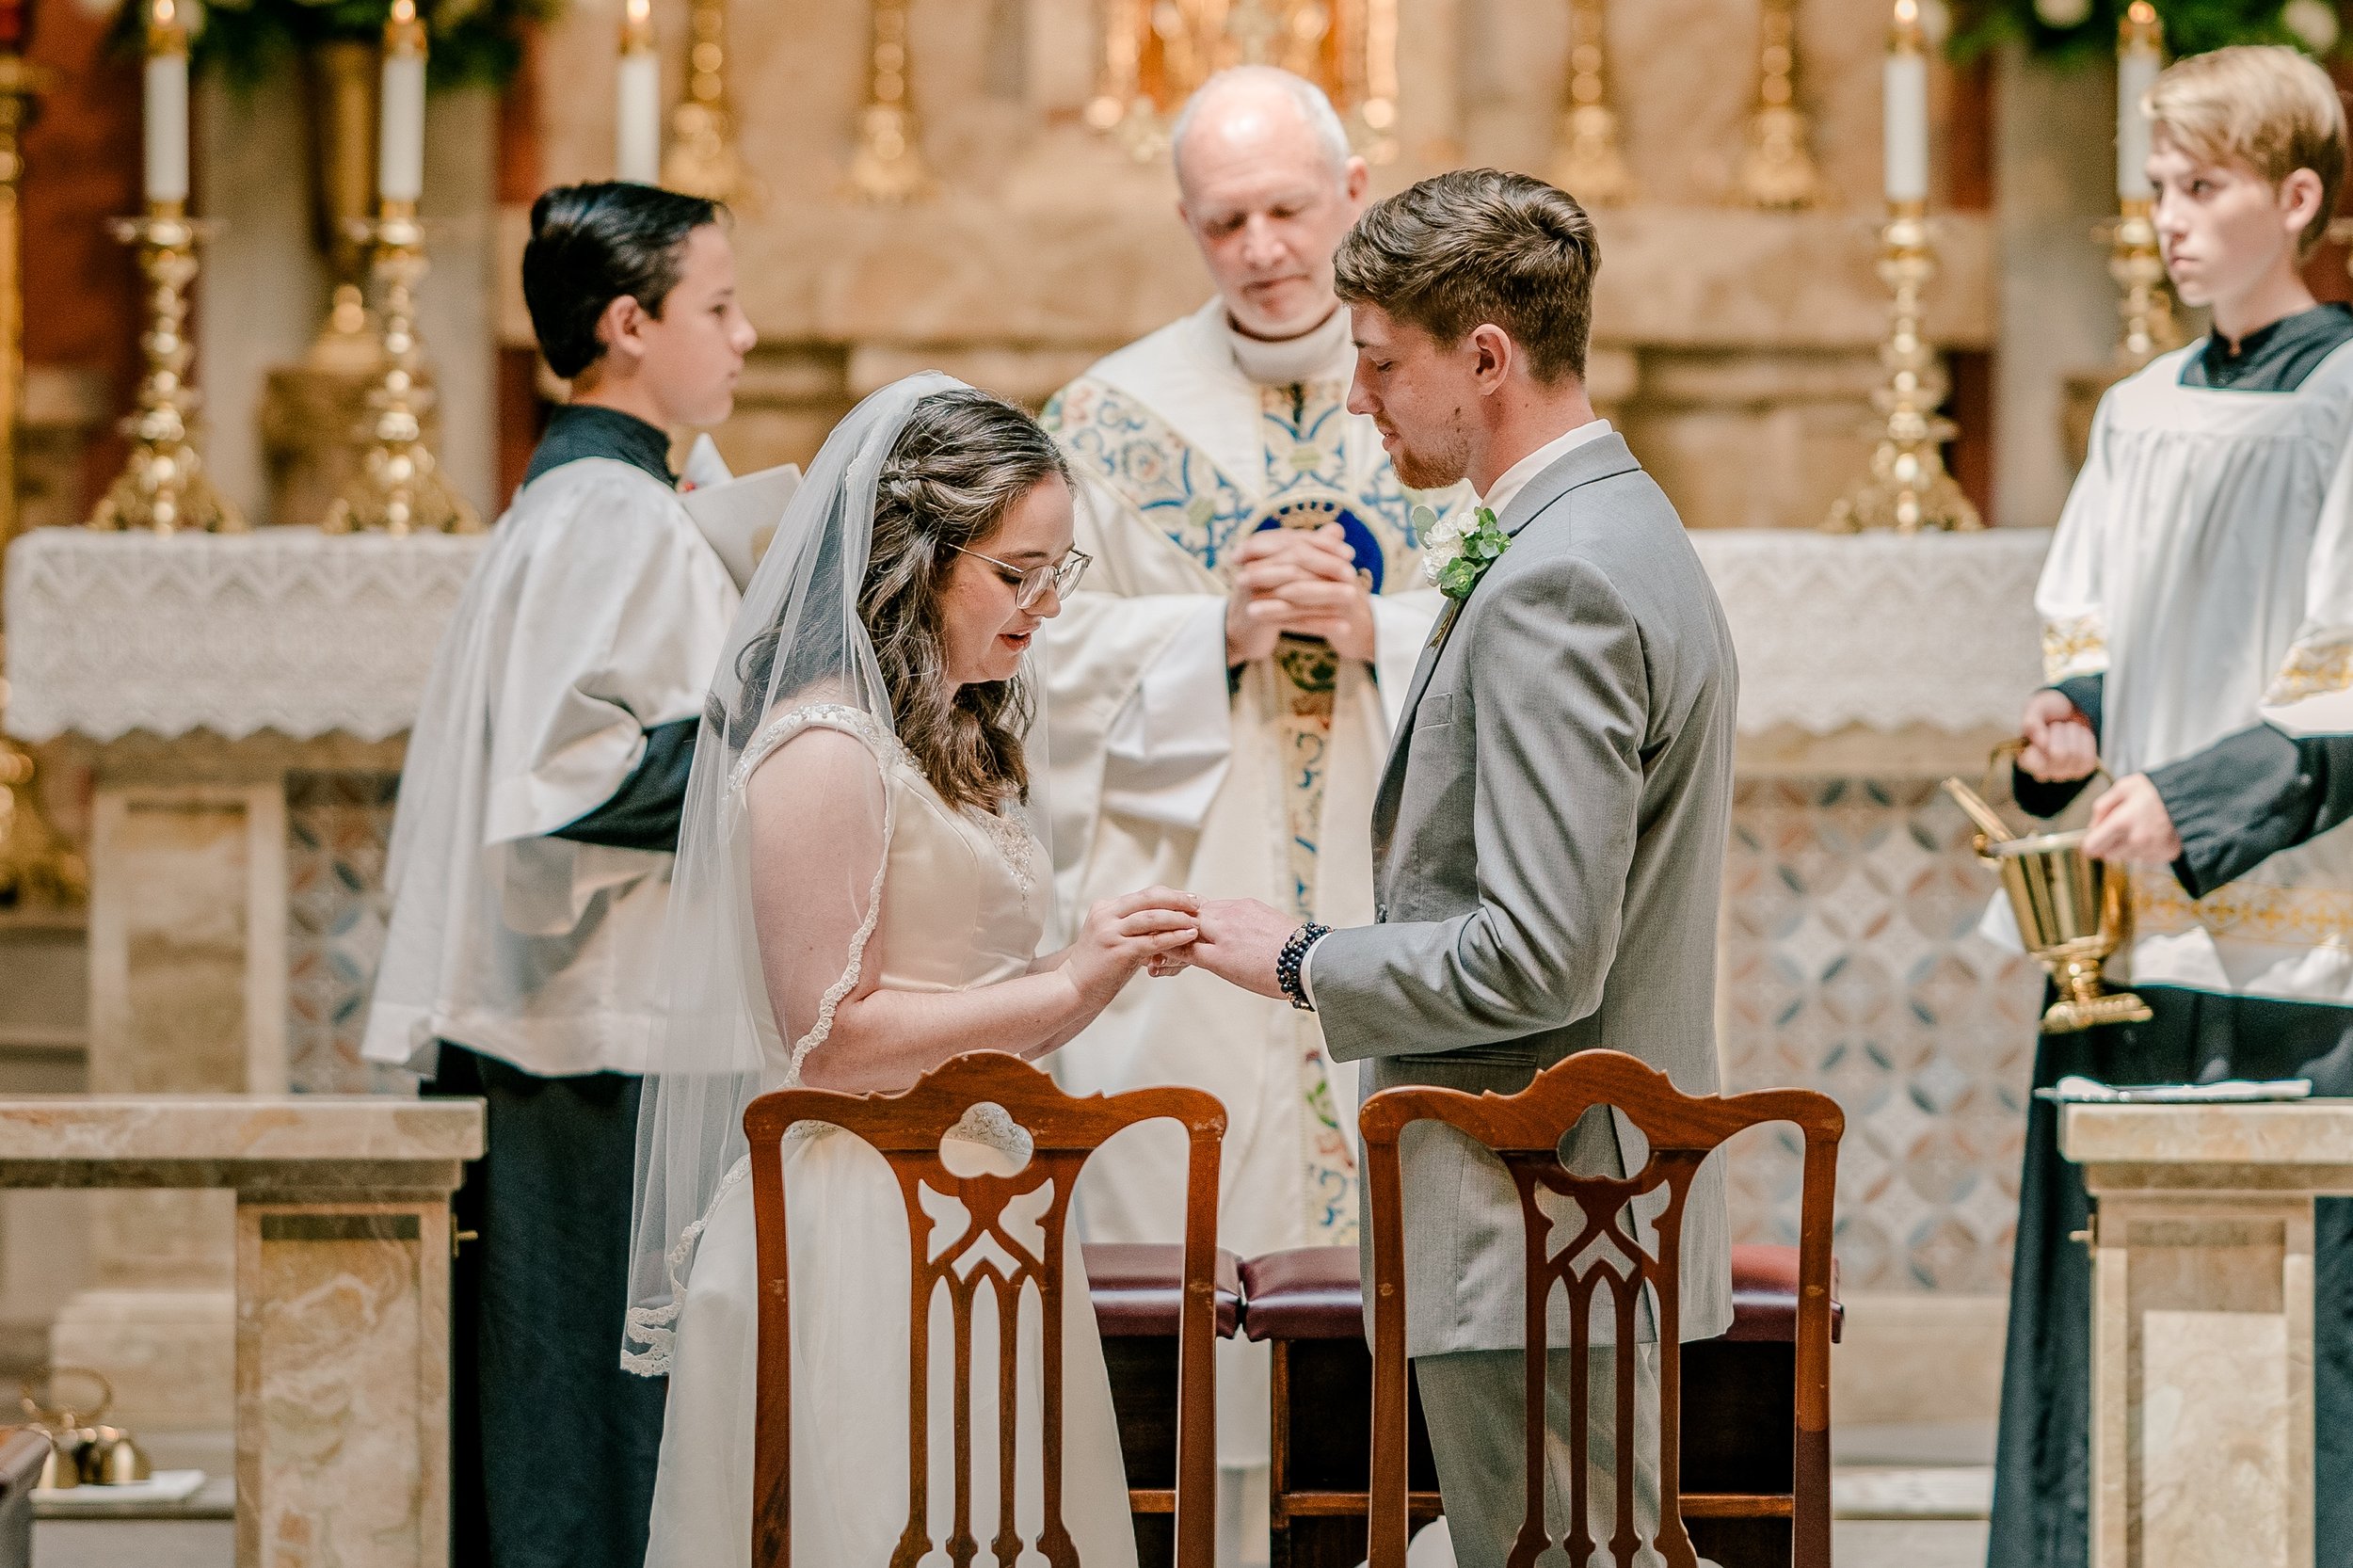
pixel 63 1468
pixel 113 1458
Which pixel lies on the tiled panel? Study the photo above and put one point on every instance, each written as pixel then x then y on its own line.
pixel 1849 966
pixel 337 827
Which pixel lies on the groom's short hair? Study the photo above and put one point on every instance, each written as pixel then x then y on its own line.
pixel 1475 246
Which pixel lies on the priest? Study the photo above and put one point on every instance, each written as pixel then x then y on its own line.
pixel 530 861
pixel 1221 692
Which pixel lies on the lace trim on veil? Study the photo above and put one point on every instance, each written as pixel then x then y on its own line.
pixel 655 1327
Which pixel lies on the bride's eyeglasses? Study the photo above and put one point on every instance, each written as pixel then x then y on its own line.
pixel 1031 583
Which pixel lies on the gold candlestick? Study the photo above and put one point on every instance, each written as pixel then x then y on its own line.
pixel 1908 489
pixel 888 164
pixel 163 486
pixel 1590 164
pixel 1777 168
pixel 702 159
pixel 36 864
pixel 2134 259
pixel 399 488
pixel 2150 327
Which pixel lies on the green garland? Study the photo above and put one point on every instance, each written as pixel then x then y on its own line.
pixel 474 42
pixel 2191 28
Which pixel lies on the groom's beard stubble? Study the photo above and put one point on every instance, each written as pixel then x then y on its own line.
pixel 1434 463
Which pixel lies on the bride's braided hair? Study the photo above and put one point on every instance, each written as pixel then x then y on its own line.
pixel 960 464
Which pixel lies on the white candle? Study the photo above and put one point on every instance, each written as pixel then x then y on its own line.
pixel 2138 61
pixel 1906 89
pixel 638 103
pixel 166 126
pixel 400 132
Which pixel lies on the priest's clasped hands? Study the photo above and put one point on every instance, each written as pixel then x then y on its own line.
pixel 2130 822
pixel 1304 581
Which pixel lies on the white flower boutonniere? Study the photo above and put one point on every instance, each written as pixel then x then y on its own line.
pixel 1456 554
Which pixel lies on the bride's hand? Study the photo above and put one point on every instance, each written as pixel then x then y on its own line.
pixel 1122 935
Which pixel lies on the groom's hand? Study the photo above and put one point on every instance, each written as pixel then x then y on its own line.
pixel 1241 939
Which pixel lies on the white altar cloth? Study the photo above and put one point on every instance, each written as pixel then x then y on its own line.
pixel 291 630
pixel 283 628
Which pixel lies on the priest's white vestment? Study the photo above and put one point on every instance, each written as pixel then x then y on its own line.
pixel 1166 767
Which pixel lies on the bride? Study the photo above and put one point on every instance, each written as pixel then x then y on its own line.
pixel 860 897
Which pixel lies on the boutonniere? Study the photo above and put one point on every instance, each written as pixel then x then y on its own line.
pixel 1458 552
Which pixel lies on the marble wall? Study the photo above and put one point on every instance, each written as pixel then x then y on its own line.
pixel 1850 965
pixel 338 826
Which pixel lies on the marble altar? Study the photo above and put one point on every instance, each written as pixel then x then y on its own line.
pixel 233 701
pixel 341 1295
pixel 2202 1377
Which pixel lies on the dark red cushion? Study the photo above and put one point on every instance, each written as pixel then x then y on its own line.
pixel 1764 1294
pixel 1313 1293
pixel 1138 1289
pixel 1308 1293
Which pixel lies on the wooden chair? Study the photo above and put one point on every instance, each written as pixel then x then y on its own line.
pixel 1524 1130
pixel 906 1129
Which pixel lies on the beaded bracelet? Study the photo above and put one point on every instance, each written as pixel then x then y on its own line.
pixel 1287 964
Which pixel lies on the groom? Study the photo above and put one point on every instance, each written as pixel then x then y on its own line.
pixel 1548 836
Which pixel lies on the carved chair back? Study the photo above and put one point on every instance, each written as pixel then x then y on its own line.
pixel 1604 1250
pixel 906 1129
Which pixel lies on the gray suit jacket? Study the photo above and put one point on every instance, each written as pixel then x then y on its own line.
pixel 1548 845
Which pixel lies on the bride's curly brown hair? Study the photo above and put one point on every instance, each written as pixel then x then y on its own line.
pixel 962 462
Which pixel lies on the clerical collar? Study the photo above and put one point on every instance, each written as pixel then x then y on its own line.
pixel 2273 359
pixel 1320 355
pixel 578 430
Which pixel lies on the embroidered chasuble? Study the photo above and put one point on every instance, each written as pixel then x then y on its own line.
pixel 1252 782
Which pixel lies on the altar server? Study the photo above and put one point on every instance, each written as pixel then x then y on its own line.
pixel 1221 688
pixel 530 865
pixel 2198 611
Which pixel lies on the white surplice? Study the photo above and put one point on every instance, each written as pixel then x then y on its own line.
pixel 597 613
pixel 2203 567
pixel 1167 769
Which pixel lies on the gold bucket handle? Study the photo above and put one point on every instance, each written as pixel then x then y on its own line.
pixel 2011 750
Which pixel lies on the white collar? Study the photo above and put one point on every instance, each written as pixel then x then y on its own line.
pixel 1324 353
pixel 1514 479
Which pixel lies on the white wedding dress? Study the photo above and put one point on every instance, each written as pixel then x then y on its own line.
pixel 963 904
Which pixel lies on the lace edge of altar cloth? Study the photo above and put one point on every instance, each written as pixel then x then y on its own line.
pixel 289 631
pixel 284 630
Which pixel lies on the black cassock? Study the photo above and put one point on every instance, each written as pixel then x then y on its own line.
pixel 2244 798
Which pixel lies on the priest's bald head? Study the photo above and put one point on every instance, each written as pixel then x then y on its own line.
pixel 1267 185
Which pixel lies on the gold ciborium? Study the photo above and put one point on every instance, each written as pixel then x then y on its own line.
pixel 2072 911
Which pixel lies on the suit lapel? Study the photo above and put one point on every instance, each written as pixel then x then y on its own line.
pixel 1602 458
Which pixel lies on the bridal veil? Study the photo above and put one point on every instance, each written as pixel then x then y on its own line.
pixel 798 644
